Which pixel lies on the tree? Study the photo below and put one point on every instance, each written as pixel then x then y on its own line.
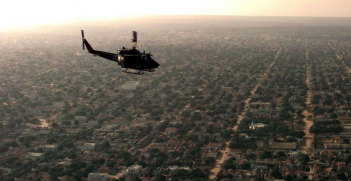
pixel 246 166
pixel 160 178
pixel 11 160
pixel 101 161
pixel 276 173
pixel 76 122
pixel 142 163
pixel 304 158
pixel 289 177
pixel 54 125
pixel 281 154
pixel 95 161
pixel 107 144
pixel 266 154
pixel 341 176
pixel 11 125
pixel 51 140
pixel 72 156
pixel 66 122
pixel 291 139
pixel 3 149
pixel 196 173
pixel 229 164
pixel 210 160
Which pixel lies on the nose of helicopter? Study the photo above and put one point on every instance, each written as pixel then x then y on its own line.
pixel 155 64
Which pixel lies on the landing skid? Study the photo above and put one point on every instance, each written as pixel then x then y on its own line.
pixel 137 73
pixel 149 70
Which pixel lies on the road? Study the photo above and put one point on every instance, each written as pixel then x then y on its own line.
pixel 247 101
pixel 221 158
pixel 308 123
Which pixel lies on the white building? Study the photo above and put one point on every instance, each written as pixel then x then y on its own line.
pixel 34 156
pixel 294 155
pixel 49 147
pixel 98 176
pixel 254 126
pixel 89 146
pixel 174 169
pixel 134 170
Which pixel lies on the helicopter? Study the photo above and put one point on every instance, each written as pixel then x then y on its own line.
pixel 127 58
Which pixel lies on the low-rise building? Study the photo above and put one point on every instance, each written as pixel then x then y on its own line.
pixel 34 156
pixel 294 155
pixel 49 147
pixel 98 177
pixel 254 126
pixel 171 131
pixel 89 146
pixel 281 145
pixel 134 170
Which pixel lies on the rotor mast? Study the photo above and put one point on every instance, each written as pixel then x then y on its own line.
pixel 134 40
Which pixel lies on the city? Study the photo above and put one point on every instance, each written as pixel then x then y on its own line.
pixel 267 103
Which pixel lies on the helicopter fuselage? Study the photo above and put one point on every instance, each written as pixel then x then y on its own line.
pixel 133 59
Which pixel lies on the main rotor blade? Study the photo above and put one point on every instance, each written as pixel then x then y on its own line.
pixel 82 34
pixel 135 36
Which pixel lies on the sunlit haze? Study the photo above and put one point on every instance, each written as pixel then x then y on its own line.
pixel 21 12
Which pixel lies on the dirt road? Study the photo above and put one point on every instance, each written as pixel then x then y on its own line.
pixel 221 159
pixel 308 123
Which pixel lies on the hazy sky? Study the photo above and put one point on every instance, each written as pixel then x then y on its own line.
pixel 29 12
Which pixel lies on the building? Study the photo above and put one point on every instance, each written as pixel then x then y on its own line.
pixel 211 153
pixel 104 170
pixel 89 146
pixel 34 156
pixel 294 155
pixel 347 128
pixel 64 178
pixel 174 169
pixel 337 146
pixel 134 170
pixel 254 126
pixel 98 177
pixel 213 145
pixel 49 148
pixel 171 131
pixel 281 145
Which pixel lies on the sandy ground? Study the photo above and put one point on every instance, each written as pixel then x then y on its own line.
pixel 116 176
pixel 44 123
